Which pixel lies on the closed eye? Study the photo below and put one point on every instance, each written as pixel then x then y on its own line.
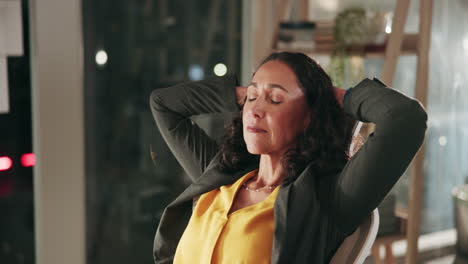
pixel 271 100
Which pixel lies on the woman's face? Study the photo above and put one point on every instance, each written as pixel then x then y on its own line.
pixel 275 112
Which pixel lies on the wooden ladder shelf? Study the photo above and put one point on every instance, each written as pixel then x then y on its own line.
pixel 398 43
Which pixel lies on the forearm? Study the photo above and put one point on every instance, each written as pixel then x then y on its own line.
pixel 371 101
pixel 213 95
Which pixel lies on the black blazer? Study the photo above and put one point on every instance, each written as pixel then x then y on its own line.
pixel 313 215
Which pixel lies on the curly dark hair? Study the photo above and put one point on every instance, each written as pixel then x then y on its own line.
pixel 325 143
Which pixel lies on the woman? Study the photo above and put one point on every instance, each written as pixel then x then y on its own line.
pixel 281 188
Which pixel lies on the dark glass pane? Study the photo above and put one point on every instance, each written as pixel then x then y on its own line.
pixel 149 44
pixel 16 183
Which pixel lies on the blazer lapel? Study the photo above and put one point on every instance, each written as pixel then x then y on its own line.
pixel 295 206
pixel 281 217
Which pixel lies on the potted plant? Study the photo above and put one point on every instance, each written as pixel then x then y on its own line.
pixel 354 28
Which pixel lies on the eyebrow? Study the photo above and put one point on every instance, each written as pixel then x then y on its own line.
pixel 270 85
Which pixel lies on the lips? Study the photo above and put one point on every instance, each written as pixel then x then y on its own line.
pixel 254 129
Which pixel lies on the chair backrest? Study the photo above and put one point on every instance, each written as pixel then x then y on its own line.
pixel 356 247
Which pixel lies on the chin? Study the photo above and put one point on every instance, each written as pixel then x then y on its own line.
pixel 257 145
pixel 256 149
pixel 254 152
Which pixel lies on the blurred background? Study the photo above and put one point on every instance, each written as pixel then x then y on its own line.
pixel 84 172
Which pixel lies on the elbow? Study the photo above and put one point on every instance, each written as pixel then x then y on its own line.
pixel 409 121
pixel 156 101
pixel 418 115
pixel 412 112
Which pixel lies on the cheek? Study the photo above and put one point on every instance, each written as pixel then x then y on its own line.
pixel 288 125
pixel 281 126
pixel 244 120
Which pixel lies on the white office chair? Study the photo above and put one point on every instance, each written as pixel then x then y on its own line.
pixel 356 247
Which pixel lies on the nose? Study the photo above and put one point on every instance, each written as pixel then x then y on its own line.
pixel 258 114
pixel 258 109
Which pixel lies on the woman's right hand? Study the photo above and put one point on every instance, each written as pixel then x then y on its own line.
pixel 241 94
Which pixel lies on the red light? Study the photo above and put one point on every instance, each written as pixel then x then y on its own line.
pixel 28 160
pixel 5 163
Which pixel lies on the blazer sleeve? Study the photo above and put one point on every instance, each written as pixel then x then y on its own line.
pixel 400 125
pixel 172 108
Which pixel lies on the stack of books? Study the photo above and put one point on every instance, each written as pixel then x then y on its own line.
pixel 296 35
pixel 323 36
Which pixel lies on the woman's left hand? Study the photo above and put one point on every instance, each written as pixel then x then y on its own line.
pixel 339 94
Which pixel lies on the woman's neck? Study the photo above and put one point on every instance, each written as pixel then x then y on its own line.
pixel 271 171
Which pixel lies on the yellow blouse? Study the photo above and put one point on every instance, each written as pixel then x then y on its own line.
pixel 214 236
